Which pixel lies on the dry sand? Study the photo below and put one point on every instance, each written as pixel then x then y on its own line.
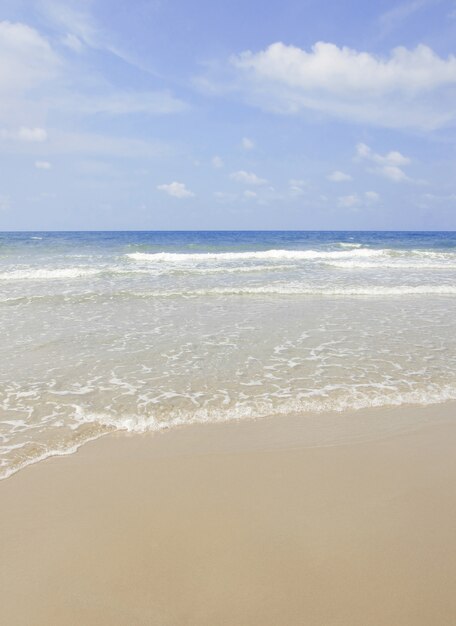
pixel 234 525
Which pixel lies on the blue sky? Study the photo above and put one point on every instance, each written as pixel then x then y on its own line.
pixel 166 114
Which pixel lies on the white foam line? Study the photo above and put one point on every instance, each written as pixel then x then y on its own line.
pixel 296 289
pixel 399 264
pixel 47 455
pixel 42 274
pixel 141 424
pixel 263 255
pixel 273 255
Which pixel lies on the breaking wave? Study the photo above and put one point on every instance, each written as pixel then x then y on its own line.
pixel 271 255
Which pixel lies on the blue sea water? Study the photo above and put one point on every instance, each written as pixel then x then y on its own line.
pixel 141 331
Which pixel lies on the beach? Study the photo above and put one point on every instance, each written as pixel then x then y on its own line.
pixel 240 523
pixel 227 428
pixel 227 313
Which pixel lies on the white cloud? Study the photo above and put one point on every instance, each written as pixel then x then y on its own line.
pixel 247 143
pixel 394 173
pixel 27 59
pixel 391 158
pixel 387 165
pixel 295 186
pixel 409 88
pixel 43 165
pixel 356 201
pixel 372 197
pixel 297 182
pixel 223 196
pixel 217 162
pixel 72 42
pixel 350 201
pixel 451 197
pixel 250 194
pixel 177 190
pixel 338 177
pixel 445 202
pixel 4 203
pixel 247 178
pixel 32 135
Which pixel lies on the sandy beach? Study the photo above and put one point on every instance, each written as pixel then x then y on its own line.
pixel 227 313
pixel 233 524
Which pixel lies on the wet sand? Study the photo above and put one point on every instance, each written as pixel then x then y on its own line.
pixel 234 525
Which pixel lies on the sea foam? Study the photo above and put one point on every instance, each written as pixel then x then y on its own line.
pixel 270 255
pixel 49 274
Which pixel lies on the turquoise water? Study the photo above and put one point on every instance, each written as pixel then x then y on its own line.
pixel 141 331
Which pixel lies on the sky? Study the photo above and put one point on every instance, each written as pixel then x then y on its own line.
pixel 201 115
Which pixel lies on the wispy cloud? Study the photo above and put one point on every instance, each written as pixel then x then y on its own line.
pixel 247 143
pixel 394 18
pixel 37 83
pixel 60 142
pixel 372 197
pixel 119 103
pixel 338 177
pixel 296 187
pixel 5 203
pixel 28 135
pixel 79 29
pixel 217 162
pixel 349 201
pixel 225 197
pixel 43 165
pixel 247 178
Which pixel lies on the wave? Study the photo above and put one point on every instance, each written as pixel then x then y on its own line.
pixel 297 289
pixel 343 244
pixel 96 425
pixel 352 400
pixel 42 274
pixel 156 264
pixel 391 264
pixel 65 450
pixel 241 269
pixel 73 273
pixel 352 255
pixel 271 255
pixel 266 290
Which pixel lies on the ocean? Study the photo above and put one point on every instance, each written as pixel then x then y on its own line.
pixel 144 331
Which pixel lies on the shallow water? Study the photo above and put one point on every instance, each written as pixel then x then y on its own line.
pixel 145 331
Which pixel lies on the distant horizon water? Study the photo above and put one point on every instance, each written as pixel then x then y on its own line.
pixel 141 331
pixel 232 230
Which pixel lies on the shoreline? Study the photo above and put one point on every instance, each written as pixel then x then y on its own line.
pixel 238 523
pixel 330 428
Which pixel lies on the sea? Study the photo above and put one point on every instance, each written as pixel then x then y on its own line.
pixel 146 331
